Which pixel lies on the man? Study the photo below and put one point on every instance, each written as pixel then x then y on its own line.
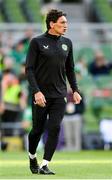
pixel 49 60
pixel 100 66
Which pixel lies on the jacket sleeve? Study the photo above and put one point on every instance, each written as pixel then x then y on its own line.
pixel 70 70
pixel 31 58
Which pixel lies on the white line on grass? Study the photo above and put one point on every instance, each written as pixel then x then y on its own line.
pixel 65 162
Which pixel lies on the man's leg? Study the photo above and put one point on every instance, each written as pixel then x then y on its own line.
pixel 39 116
pixel 56 113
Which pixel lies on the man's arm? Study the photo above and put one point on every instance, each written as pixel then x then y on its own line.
pixel 70 70
pixel 31 63
pixel 71 76
pixel 31 58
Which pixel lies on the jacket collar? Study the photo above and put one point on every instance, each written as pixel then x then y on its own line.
pixel 52 36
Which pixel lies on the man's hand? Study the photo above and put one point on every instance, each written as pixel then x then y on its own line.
pixel 76 97
pixel 40 99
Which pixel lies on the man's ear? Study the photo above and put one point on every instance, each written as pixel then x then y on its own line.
pixel 52 24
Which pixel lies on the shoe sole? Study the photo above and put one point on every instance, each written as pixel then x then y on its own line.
pixel 41 172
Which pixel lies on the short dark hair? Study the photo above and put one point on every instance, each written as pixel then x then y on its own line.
pixel 53 15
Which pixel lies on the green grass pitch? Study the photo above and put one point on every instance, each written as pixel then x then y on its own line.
pixel 67 165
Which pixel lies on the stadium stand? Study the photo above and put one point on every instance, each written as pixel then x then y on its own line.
pixel 1 15
pixel 11 11
pixel 1 18
pixel 20 11
pixel 5 13
pixel 31 10
pixel 88 52
pixel 102 10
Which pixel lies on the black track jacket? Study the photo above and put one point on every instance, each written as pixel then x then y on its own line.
pixel 49 60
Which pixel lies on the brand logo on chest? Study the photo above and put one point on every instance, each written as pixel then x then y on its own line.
pixel 45 46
